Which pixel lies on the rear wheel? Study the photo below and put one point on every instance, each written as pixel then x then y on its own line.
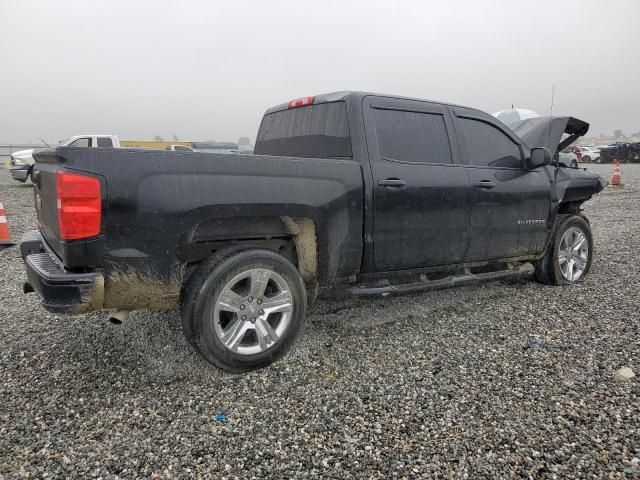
pixel 243 311
pixel 598 160
pixel 569 257
pixel 586 158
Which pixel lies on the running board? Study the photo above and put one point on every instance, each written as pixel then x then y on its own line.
pixel 520 271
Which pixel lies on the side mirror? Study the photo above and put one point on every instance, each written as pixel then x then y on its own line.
pixel 539 156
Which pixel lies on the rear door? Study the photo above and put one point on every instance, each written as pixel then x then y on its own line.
pixel 509 204
pixel 420 198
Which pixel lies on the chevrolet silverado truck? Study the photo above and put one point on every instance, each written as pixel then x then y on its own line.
pixel 382 194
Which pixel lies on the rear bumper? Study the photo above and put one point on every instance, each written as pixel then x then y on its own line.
pixel 20 172
pixel 61 291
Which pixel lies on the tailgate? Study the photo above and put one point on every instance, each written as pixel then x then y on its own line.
pixel 75 253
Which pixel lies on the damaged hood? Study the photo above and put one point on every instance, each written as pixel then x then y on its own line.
pixel 548 131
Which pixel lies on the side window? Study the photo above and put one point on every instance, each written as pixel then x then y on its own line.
pixel 413 137
pixel 104 142
pixel 487 146
pixel 81 142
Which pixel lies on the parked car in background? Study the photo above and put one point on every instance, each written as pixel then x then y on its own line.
pixel 622 151
pixel 590 154
pixel 569 158
pixel 380 194
pixel 22 161
pixel 179 148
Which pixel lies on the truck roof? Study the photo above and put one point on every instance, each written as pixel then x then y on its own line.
pixel 357 95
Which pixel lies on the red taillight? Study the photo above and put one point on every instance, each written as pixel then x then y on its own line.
pixel 301 102
pixel 79 205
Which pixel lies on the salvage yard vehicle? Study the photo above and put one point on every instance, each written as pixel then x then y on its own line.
pixel 568 158
pixel 622 151
pixel 590 154
pixel 22 161
pixel 383 194
pixel 179 148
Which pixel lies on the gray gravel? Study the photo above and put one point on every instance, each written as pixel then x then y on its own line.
pixel 499 380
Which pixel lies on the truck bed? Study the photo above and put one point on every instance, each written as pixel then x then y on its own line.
pixel 163 210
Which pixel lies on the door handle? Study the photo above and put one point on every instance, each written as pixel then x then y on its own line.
pixel 485 184
pixel 392 183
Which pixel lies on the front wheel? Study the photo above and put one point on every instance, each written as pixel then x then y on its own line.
pixel 243 311
pixel 569 256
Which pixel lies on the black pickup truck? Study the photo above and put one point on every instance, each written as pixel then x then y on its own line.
pixel 380 193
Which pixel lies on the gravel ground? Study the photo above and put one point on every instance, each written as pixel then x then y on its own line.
pixel 499 380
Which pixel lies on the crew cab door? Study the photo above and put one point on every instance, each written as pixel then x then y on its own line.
pixel 509 204
pixel 420 195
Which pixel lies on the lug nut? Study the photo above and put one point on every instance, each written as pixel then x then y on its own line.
pixel 261 312
pixel 259 301
pixel 253 319
pixel 241 307
pixel 244 317
pixel 250 299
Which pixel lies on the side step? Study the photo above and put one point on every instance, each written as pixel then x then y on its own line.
pixel 520 271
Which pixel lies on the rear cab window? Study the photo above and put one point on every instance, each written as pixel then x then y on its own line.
pixel 313 131
pixel 104 142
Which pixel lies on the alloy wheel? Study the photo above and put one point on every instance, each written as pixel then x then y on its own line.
pixel 253 311
pixel 573 254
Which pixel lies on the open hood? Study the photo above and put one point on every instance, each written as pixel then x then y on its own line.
pixel 548 131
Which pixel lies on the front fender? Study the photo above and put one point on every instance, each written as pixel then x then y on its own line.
pixel 575 185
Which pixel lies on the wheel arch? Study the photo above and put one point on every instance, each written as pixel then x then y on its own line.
pixel 569 208
pixel 293 237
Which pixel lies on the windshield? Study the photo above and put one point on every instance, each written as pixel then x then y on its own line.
pixel 319 131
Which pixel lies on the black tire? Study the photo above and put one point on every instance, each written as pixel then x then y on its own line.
pixel 202 293
pixel 586 158
pixel 547 270
pixel 598 160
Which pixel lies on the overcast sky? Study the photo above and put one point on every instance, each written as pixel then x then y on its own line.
pixel 207 70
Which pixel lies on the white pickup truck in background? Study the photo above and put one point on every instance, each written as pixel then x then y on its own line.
pixel 22 161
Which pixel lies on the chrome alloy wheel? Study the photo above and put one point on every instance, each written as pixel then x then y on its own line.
pixel 573 254
pixel 253 311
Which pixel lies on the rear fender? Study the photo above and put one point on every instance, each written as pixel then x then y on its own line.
pixel 293 237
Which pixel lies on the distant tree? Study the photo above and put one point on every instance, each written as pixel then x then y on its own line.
pixel 617 134
pixel 244 141
pixel 175 138
pixel 158 138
